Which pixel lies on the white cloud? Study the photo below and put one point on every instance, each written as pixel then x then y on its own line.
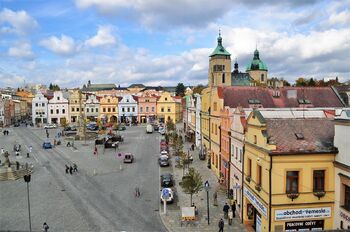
pixel 18 22
pixel 103 37
pixel 62 46
pixel 21 50
pixel 341 18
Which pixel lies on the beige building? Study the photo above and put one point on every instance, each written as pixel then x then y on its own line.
pixel 109 109
pixel 342 172
pixel 75 107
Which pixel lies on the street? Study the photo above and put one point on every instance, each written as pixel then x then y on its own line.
pixel 99 197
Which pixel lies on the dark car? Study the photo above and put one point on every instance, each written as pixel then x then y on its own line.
pixel 163 161
pixel 166 180
pixel 99 141
pixel 110 144
pixel 117 138
pixel 47 145
pixel 70 128
pixel 92 127
pixel 155 127
pixel 16 124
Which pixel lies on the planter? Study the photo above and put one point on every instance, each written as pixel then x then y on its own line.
pixel 248 178
pixel 320 194
pixel 292 195
pixel 258 187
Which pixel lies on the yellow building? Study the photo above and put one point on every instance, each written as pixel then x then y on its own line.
pixel 169 108
pixel 205 123
pixel 109 109
pixel 288 173
pixel 74 105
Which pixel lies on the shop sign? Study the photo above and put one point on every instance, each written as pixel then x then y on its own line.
pixel 289 214
pixel 255 201
pixel 258 223
pixel 304 225
pixel 346 217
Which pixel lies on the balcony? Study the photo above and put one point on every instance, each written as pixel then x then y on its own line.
pixel 248 178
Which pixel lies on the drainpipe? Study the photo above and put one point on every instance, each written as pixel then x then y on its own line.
pixel 270 194
pixel 229 164
pixel 242 181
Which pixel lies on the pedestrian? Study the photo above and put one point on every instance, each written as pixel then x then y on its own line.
pixel 47 135
pixel 192 146
pixel 2 151
pixel 230 217
pixel 215 196
pixel 45 227
pixel 27 154
pixel 71 170
pixel 233 208
pixel 221 225
pixel 225 209
pixel 75 168
pixel 137 192
pixel 95 151
pixel 67 169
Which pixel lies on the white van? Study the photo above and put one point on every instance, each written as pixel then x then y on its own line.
pixel 149 129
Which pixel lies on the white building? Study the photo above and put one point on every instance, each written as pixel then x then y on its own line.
pixel 127 109
pixel 92 106
pixel 2 112
pixel 198 105
pixel 58 109
pixel 39 108
pixel 342 172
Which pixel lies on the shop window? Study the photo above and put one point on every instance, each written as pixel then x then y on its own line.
pixel 292 182
pixel 319 180
pixel 347 198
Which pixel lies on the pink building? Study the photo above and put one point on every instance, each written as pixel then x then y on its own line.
pixel 147 107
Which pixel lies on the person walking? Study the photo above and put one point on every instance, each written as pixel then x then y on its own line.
pixel 215 196
pixel 67 169
pixel 225 209
pixel 221 225
pixel 75 168
pixel 71 170
pixel 230 217
pixel 2 151
pixel 45 227
pixel 233 208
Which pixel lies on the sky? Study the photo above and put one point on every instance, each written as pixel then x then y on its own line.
pixel 157 42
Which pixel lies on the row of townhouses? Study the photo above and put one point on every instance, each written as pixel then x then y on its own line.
pixel 280 152
pixel 107 106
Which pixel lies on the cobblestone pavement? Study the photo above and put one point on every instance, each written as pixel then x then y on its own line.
pixel 172 219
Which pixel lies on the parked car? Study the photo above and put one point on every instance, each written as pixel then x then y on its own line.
pixel 110 144
pixel 50 126
pixel 155 127
pixel 128 158
pixel 70 128
pixel 149 129
pixel 163 161
pixel 92 127
pixel 47 145
pixel 161 130
pixel 166 180
pixel 99 141
pixel 164 153
pixel 170 198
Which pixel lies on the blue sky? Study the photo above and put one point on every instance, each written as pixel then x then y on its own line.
pixel 159 42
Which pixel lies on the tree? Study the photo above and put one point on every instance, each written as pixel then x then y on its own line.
pixel 170 126
pixel 198 89
pixel 177 144
pixel 311 82
pixel 192 183
pixel 301 82
pixel 286 83
pixel 180 90
pixel 54 87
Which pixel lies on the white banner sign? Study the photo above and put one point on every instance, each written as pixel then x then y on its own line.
pixel 291 214
pixel 256 202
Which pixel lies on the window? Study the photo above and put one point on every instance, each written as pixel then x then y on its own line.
pixel 292 182
pixel 58 98
pixel 57 111
pixel 109 109
pixel 223 78
pixel 128 109
pixel 240 155
pixel 104 110
pixel 123 109
pixel 216 129
pixel 108 100
pixel 113 109
pixel 215 106
pixel 51 111
pixel 77 109
pixel 141 110
pixel 162 109
pixel 342 225
pixel 73 109
pixel 87 110
pixel 36 104
pixel 133 109
pixel 127 100
pixel 258 177
pixel 152 109
pixel 249 167
pixel 43 104
pixel 318 180
pixel 255 139
pixel 96 110
pixel 232 151
pixel 146 108
pixel 166 99
pixel 347 197
pixel 236 152
pixel 169 109
pixel 262 79
pixel 63 111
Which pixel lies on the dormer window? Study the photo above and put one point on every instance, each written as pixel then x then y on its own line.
pixel 299 136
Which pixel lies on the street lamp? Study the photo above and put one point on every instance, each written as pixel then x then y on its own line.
pixel 27 180
pixel 207 187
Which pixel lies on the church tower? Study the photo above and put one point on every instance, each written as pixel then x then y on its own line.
pixel 257 69
pixel 219 66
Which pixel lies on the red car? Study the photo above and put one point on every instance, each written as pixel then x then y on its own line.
pixel 163 146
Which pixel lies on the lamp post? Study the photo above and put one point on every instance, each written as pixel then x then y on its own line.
pixel 27 180
pixel 207 187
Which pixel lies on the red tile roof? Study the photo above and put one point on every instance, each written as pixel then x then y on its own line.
pixel 318 135
pixel 288 96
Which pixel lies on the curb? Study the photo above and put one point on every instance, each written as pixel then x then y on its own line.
pixel 165 224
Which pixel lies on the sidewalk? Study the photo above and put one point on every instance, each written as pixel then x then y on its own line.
pixel 173 218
